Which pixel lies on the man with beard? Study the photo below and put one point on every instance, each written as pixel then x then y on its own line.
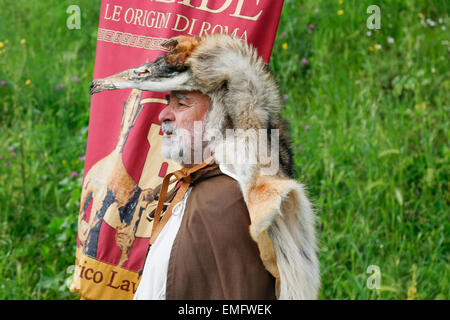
pixel 231 230
pixel 219 258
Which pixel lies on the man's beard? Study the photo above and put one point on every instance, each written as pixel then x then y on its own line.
pixel 172 146
pixel 181 146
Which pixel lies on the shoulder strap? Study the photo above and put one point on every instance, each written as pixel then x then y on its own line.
pixel 186 176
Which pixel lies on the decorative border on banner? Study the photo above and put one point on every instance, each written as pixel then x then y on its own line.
pixel 130 39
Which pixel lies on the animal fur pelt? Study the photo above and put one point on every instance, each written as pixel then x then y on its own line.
pixel 244 96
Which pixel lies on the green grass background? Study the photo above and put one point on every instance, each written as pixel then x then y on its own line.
pixel 369 122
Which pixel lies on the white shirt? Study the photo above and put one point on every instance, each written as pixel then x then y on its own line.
pixel 154 275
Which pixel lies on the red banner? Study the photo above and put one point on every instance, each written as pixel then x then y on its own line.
pixel 123 160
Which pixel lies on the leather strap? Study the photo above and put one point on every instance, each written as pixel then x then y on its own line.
pixel 183 174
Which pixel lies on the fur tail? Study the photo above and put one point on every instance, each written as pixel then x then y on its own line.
pixel 282 224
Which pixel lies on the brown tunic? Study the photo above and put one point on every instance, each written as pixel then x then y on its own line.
pixel 213 255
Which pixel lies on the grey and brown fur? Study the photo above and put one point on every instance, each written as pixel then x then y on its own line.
pixel 244 96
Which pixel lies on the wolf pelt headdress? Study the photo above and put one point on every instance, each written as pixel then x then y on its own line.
pixel 244 95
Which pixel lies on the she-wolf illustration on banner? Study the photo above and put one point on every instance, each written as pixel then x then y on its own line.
pixel 123 160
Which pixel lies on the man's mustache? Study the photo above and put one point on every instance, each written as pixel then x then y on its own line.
pixel 168 127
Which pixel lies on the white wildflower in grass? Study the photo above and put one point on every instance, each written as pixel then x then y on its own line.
pixel 390 40
pixel 369 33
pixel 431 23
pixel 378 47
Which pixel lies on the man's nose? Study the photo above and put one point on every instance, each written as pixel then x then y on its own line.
pixel 166 114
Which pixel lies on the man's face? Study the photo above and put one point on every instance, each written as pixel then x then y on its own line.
pixel 183 110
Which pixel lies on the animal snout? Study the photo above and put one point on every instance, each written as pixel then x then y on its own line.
pixel 93 87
